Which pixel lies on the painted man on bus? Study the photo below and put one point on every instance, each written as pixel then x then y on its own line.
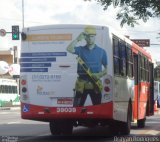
pixel 92 65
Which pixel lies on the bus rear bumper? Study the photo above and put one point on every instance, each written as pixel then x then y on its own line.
pixel 43 113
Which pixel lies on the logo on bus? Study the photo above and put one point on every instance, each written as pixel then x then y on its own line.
pixel 40 91
pixel 26 108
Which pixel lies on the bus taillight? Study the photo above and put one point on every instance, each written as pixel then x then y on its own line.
pixel 23 82
pixel 107 81
pixel 25 97
pixel 106 88
pixel 24 89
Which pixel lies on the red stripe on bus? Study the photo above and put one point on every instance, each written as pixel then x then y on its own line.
pixel 39 112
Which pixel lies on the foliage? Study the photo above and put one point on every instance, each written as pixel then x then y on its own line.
pixel 133 10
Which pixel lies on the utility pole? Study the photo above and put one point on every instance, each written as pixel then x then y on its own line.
pixel 15 54
pixel 23 13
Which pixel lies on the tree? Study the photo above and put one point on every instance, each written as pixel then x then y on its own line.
pixel 133 10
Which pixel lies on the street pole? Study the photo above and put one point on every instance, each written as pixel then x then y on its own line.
pixel 23 13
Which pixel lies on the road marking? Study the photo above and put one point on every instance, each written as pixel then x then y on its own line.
pixel 153 132
pixel 47 134
pixel 152 122
pixel 16 122
pixel 4 112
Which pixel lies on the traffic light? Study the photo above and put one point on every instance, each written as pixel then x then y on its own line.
pixel 15 32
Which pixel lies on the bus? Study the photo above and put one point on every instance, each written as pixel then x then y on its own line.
pixel 84 75
pixel 8 92
pixel 156 90
pixel 157 85
pixel 157 73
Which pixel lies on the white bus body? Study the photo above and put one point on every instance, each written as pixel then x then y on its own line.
pixel 49 72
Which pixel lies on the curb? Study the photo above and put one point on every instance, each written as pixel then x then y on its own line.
pixel 15 108
pixel 10 108
pixel 5 108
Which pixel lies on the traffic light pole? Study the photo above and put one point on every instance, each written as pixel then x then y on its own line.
pixel 23 13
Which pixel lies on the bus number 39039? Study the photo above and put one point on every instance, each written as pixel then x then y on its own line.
pixel 66 109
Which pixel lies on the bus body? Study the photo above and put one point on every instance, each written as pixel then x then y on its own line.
pixel 49 72
pixel 8 92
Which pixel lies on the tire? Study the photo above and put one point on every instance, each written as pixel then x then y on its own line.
pixel 125 127
pixel 114 128
pixel 54 129
pixel 61 127
pixel 141 123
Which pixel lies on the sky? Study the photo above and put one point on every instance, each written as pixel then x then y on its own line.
pixel 48 12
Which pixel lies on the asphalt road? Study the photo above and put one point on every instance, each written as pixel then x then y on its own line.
pixel 14 129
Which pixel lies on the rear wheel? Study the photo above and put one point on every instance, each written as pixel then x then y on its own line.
pixel 54 128
pixel 118 127
pixel 126 126
pixel 114 128
pixel 61 127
